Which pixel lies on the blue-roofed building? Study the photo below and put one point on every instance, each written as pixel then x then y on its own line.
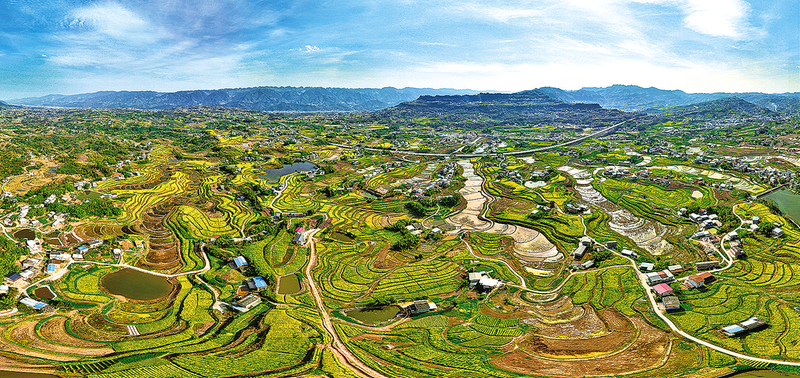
pixel 51 268
pixel 256 283
pixel 733 330
pixel 13 277
pixel 239 262
pixel 746 326
pixel 34 304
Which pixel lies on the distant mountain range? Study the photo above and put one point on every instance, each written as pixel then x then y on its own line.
pixel 635 98
pixel 715 109
pixel 629 98
pixel 485 109
pixel 302 99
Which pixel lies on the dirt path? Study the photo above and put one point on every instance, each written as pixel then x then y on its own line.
pixel 337 347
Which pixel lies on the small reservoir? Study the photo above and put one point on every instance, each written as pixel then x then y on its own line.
pixel 275 174
pixel 342 237
pixel 374 315
pixel 289 284
pixel 788 202
pixel 25 233
pixel 44 292
pixel 136 285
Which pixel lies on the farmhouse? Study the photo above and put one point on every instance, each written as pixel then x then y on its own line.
pixel 36 305
pixel 611 244
pixel 706 265
pixel 94 243
pixel 3 289
pixel 675 268
pixel 629 253
pixel 13 277
pixel 777 232
pixel 239 262
pixel 578 253
pixel 474 277
pixel 646 266
pixel 422 306
pixel 27 273
pixel 700 279
pixel 656 278
pixel 671 303
pixel 744 327
pixel 247 303
pixel 662 290
pixel 256 283
pixel 299 236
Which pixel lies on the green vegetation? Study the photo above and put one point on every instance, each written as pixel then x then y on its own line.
pixel 386 244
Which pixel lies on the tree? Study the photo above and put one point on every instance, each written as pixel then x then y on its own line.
pixel 415 208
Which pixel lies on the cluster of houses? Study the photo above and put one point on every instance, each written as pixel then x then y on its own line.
pixel 765 174
pixel 618 173
pixel 584 245
pixel 704 221
pixel 754 224
pixel 254 284
pixel 659 282
pixel 665 150
pixel 668 298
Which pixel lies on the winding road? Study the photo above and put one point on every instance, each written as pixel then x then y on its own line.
pixel 337 346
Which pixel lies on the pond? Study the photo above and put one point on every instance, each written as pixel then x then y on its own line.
pixel 16 374
pixel 342 237
pixel 375 315
pixel 44 292
pixel 275 174
pixel 788 202
pixel 25 233
pixel 137 285
pixel 289 284
pixel 89 195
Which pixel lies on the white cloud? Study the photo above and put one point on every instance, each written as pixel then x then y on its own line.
pixel 720 18
pixel 717 18
pixel 503 13
pixel 114 21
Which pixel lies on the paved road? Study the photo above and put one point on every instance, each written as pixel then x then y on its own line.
pixel 471 252
pixel 337 346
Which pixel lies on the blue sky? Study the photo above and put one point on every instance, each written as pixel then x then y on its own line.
pixel 67 47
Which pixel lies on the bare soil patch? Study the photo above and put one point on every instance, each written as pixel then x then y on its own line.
pixel 649 350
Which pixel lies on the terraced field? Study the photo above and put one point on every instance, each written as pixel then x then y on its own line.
pixel 343 241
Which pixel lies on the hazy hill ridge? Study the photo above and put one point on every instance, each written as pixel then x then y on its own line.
pixel 306 99
pixel 502 108
pixel 635 98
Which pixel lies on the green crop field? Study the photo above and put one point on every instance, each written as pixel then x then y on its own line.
pixel 369 258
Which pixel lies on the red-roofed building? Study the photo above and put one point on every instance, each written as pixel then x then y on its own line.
pixel 662 290
pixel 299 230
pixel 700 279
